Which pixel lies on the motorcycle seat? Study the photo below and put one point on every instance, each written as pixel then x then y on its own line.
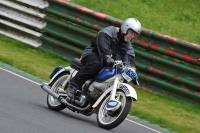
pixel 76 64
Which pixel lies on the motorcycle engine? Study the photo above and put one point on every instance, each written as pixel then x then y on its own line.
pixel 95 94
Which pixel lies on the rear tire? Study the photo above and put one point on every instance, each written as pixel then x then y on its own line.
pixel 52 102
pixel 107 121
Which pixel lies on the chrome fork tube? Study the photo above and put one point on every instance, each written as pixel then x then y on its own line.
pixel 114 88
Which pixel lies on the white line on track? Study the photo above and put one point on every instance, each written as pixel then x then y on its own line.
pixel 40 84
pixel 143 125
pixel 20 76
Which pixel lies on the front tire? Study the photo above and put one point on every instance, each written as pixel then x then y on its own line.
pixel 106 120
pixel 52 102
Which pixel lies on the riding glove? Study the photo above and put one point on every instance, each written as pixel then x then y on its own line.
pixel 108 60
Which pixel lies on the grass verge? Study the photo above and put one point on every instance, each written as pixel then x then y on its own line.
pixel 28 59
pixel 178 18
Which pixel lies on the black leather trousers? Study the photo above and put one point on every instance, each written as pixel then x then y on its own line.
pixel 92 65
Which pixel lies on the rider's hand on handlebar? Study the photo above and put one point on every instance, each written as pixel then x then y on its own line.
pixel 135 81
pixel 108 60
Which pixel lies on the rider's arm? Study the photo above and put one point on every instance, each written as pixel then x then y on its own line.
pixel 131 60
pixel 103 44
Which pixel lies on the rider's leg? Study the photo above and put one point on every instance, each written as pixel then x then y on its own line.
pixel 92 65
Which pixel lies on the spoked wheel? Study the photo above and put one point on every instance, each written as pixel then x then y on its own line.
pixel 109 120
pixel 52 102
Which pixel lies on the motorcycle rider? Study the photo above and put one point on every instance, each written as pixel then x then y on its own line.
pixel 110 44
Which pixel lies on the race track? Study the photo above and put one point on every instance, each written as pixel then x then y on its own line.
pixel 23 109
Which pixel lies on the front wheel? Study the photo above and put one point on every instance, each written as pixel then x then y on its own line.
pixel 109 120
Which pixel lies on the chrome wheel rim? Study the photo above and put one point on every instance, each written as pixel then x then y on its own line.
pixel 55 87
pixel 104 116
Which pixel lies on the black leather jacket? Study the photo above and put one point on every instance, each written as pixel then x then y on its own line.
pixel 108 42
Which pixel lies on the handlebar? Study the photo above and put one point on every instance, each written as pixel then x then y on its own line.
pixel 118 62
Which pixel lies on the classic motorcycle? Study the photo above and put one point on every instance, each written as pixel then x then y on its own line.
pixel 108 94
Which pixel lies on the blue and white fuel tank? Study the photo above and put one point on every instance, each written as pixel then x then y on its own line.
pixel 106 73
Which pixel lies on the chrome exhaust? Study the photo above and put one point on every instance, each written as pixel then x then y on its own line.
pixel 48 90
pixel 61 99
pixel 52 93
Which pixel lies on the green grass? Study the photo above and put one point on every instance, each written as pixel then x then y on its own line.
pixel 178 18
pixel 166 112
pixel 28 59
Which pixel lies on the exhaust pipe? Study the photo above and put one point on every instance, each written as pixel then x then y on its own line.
pixel 52 93
pixel 61 99
pixel 48 90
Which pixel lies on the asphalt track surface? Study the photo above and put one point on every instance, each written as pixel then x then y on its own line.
pixel 23 109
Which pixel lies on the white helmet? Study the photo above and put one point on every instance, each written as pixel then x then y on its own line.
pixel 131 23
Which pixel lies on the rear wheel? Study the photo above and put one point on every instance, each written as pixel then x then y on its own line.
pixel 109 120
pixel 56 85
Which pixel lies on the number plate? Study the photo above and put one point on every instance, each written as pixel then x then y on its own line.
pixel 129 74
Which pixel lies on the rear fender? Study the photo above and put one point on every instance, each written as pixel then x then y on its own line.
pixel 63 70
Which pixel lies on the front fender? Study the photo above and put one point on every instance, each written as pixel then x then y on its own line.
pixel 128 90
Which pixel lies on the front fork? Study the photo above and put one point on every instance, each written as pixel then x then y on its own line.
pixel 113 104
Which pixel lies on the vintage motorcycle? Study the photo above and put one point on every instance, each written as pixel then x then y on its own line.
pixel 108 94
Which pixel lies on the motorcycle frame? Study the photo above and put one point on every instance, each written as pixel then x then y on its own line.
pixel 126 88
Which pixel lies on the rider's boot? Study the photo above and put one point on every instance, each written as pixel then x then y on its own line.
pixel 73 92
